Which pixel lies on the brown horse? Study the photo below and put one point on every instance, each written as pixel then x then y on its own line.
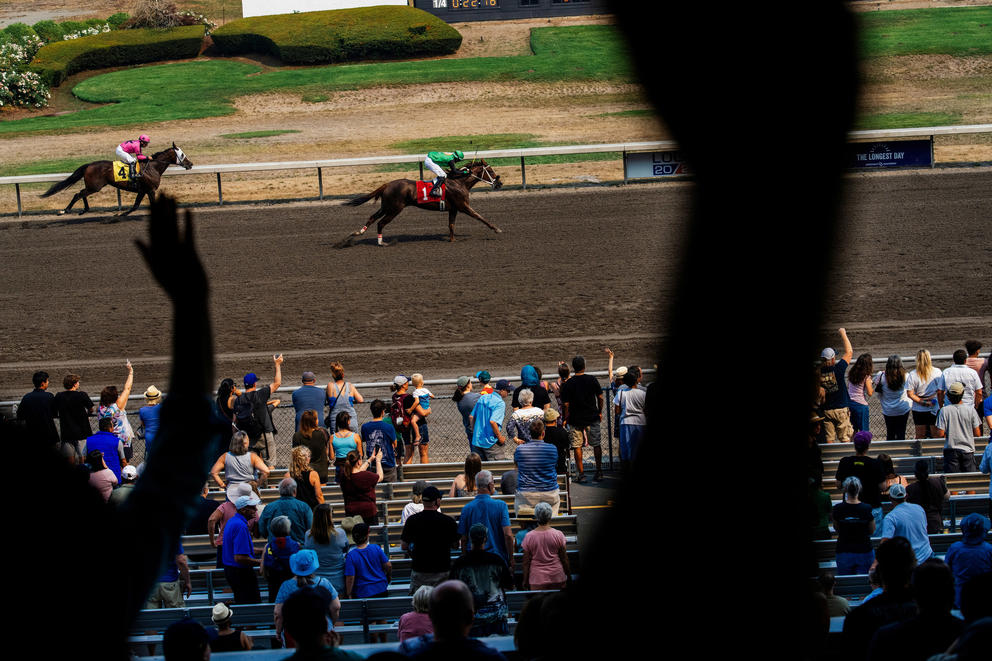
pixel 401 193
pixel 98 174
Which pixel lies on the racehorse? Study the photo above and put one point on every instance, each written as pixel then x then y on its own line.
pixel 98 174
pixel 401 193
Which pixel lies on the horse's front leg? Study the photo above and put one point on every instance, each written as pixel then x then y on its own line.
pixel 137 201
pixel 475 214
pixel 451 223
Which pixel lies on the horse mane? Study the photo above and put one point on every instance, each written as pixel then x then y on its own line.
pixel 458 174
pixel 157 154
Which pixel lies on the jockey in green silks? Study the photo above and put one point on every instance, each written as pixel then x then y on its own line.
pixel 436 161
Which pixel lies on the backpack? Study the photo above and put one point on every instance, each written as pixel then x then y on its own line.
pixel 401 419
pixel 252 425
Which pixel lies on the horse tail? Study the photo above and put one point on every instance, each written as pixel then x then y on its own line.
pixel 65 183
pixel 358 201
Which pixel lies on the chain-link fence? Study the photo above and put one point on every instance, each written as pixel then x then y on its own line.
pixel 448 440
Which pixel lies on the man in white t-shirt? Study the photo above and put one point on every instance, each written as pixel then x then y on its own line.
pixel 959 372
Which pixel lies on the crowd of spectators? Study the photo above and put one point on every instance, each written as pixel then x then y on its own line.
pixel 884 520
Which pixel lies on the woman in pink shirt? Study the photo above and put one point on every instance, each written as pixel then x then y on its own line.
pixel 859 389
pixel 545 559
pixel 101 477
pixel 417 622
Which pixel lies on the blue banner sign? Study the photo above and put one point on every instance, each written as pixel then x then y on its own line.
pixel 645 165
pixel 891 154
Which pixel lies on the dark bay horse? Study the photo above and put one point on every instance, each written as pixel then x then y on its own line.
pixel 98 174
pixel 401 193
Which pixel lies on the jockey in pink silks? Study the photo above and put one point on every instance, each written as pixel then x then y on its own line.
pixel 130 152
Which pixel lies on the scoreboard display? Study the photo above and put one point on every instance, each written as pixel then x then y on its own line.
pixel 466 4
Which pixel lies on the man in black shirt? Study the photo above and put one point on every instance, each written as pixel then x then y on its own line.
pixel 73 408
pixel 582 397
pixel 558 437
pixel 866 469
pixel 429 537
pixel 37 411
pixel 251 410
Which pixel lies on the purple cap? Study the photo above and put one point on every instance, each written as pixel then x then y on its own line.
pixel 862 438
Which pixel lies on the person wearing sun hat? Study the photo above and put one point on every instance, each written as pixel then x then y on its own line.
pixel 149 414
pixel 228 638
pixel 304 565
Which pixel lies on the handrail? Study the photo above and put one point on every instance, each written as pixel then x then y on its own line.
pixel 653 145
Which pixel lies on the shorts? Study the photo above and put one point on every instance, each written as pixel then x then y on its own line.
pixel 419 578
pixel 425 436
pixel 389 474
pixel 578 435
pixel 166 595
pixel 494 453
pixel 524 502
pixel 924 418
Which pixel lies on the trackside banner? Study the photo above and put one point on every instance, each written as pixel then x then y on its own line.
pixel 645 165
pixel 890 154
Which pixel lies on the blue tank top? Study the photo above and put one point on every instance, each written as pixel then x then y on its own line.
pixel 344 445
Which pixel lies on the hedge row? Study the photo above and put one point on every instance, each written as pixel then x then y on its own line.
pixel 56 62
pixel 340 35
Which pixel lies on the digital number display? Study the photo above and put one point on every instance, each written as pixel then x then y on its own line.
pixel 473 4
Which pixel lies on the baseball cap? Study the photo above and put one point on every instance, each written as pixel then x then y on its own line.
pixel 484 376
pixel 956 388
pixel 828 353
pixel 251 379
pixel 130 472
pixel 399 380
pixel 463 381
pixel 862 438
pixel 897 491
pixel 247 501
pixel 432 493
pixel 550 415
pixel 309 376
pixel 503 384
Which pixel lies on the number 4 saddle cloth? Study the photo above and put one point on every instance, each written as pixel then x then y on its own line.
pixel 424 192
pixel 122 171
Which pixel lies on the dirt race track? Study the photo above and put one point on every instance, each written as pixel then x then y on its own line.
pixel 575 270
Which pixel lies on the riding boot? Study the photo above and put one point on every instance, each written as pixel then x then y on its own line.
pixel 132 174
pixel 436 191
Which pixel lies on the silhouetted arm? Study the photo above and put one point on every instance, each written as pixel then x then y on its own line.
pixel 165 496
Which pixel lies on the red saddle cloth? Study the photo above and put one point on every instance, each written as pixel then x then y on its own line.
pixel 424 192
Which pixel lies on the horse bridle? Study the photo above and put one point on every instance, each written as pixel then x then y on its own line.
pixel 487 170
pixel 180 156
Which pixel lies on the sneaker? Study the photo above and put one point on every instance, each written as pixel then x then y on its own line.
pixel 581 478
pixel 598 477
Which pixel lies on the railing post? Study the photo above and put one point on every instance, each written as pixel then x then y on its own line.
pixel 365 621
pixel 210 587
pixel 933 162
pixel 421 170
pixel 17 187
pixel 523 173
pixel 320 183
pixel 220 194
pixel 625 167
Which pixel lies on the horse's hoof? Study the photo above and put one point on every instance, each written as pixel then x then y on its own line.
pixel 62 213
pixel 385 244
pixel 498 230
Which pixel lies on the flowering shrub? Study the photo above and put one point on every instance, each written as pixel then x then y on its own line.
pixel 86 32
pixel 22 88
pixel 18 86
